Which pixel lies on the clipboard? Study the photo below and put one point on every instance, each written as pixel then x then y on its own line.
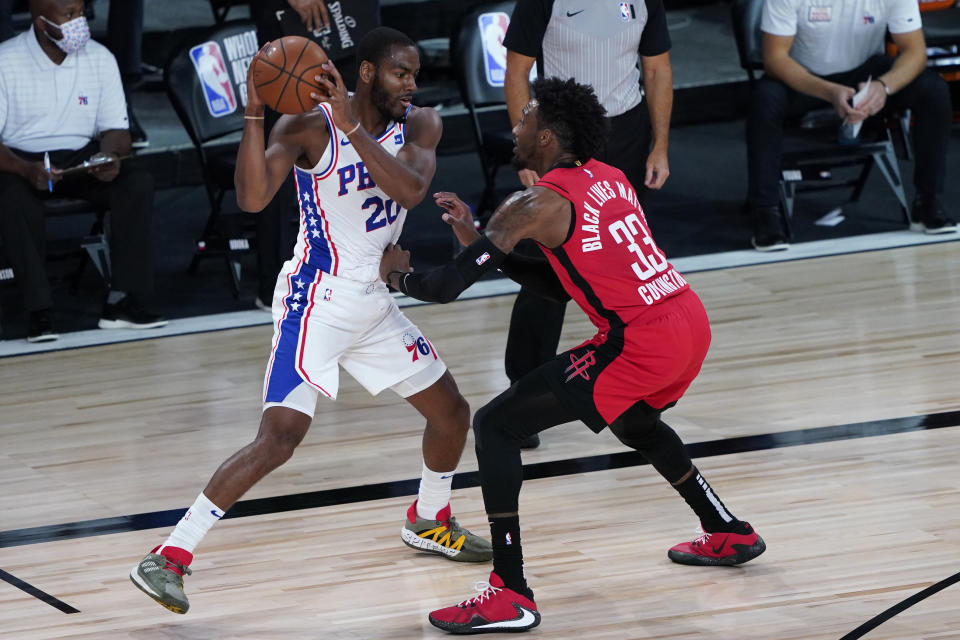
pixel 88 164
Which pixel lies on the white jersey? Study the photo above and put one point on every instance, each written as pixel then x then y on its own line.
pixel 346 220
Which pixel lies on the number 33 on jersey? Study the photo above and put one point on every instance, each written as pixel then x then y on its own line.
pixel 610 263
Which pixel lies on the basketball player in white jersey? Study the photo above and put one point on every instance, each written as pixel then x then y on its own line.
pixel 360 162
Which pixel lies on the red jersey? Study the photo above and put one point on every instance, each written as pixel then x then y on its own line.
pixel 609 263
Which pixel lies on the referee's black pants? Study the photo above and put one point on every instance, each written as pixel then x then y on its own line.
pixel 773 102
pixel 129 200
pixel 535 322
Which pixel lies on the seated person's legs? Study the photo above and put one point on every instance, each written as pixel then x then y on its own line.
pixel 24 242
pixel 129 199
pixel 928 98
pixel 771 103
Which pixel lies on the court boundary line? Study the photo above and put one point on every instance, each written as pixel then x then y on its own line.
pixel 484 289
pixel 900 607
pixel 535 471
pixel 39 594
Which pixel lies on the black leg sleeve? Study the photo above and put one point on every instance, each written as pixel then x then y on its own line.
pixel 527 407
pixel 641 428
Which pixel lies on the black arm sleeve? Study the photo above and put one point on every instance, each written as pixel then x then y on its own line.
pixel 535 274
pixel 527 26
pixel 444 284
pixel 655 38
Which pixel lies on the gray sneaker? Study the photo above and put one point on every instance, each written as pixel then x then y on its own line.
pixel 444 536
pixel 154 577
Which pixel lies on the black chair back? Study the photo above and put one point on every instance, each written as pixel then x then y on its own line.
pixel 746 16
pixel 479 58
pixel 206 80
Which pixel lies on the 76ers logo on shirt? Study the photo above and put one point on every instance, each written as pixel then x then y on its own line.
pixel 217 88
pixel 417 346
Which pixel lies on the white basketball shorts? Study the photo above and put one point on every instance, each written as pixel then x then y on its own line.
pixel 322 322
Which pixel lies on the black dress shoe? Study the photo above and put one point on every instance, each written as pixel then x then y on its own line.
pixel 768 232
pixel 928 216
pixel 41 327
pixel 128 314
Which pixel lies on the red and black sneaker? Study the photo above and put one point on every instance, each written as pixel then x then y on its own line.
pixel 495 610
pixel 713 549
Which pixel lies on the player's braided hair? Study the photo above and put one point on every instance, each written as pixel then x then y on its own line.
pixel 573 113
pixel 377 43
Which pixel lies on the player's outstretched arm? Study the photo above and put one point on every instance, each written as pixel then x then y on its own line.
pixel 261 169
pixel 536 213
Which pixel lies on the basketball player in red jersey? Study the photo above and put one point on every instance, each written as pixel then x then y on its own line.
pixel 652 337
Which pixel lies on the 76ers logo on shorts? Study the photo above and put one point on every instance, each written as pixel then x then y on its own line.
pixel 217 87
pixel 417 346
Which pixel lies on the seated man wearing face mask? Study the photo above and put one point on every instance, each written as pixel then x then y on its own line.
pixel 61 103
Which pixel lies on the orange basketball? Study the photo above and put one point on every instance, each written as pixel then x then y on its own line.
pixel 283 74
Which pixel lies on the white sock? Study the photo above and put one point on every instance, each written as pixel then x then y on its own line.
pixel 194 525
pixel 434 492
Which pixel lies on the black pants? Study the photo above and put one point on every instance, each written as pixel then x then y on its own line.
pixel 125 36
pixel 773 102
pixel 129 199
pixel 6 20
pixel 536 323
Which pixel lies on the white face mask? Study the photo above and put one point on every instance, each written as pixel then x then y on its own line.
pixel 76 34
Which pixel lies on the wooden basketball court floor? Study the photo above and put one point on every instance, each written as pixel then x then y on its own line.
pixel 827 414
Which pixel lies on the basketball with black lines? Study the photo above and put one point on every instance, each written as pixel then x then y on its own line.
pixel 284 74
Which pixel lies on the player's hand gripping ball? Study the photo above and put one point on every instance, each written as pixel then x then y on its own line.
pixel 283 74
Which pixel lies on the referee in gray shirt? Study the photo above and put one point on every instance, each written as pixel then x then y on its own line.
pixel 603 43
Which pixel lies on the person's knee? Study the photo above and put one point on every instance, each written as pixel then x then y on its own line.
pixel 15 192
pixel 933 92
pixel 278 439
pixel 137 184
pixel 768 99
pixel 637 427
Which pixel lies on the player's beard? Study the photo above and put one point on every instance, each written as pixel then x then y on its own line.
pixel 381 100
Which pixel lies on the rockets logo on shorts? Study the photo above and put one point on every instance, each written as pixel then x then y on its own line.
pixel 417 346
pixel 579 366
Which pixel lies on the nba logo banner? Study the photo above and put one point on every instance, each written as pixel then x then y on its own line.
pixel 493 28
pixel 214 78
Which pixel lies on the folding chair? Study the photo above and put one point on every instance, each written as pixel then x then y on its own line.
pixel 206 83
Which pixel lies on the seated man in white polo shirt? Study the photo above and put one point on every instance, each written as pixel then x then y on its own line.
pixel 817 53
pixel 61 95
